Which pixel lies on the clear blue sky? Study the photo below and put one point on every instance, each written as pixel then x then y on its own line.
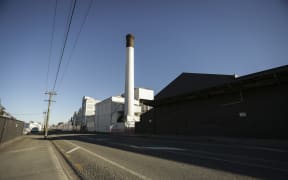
pixel 204 36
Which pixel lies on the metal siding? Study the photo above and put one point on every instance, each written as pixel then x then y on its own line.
pixel 266 110
pixel 10 129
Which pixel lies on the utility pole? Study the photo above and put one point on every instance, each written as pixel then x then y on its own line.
pixel 51 94
pixel 44 122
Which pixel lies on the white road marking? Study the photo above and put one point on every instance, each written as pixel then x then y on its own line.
pixel 25 149
pixel 133 146
pixel 230 161
pixel 90 139
pixel 157 148
pixel 230 155
pixel 195 151
pixel 242 146
pixel 111 162
pixel 163 148
pixel 150 147
pixel 268 149
pixel 205 144
pixel 95 139
pixel 74 149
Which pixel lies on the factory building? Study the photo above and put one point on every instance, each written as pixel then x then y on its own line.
pixel 32 127
pixel 35 126
pixel 253 105
pixel 67 126
pixel 108 115
pixel 88 113
pixel 110 112
pixel 77 120
pixel 116 113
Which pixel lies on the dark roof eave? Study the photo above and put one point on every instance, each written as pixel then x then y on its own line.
pixel 230 87
pixel 277 75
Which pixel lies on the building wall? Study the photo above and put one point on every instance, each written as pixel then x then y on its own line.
pixel 88 106
pixel 266 115
pixel 10 129
pixel 88 113
pixel 107 114
pixel 146 124
pixel 91 123
pixel 142 93
pixel 35 125
pixel 67 126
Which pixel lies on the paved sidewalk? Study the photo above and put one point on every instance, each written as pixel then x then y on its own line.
pixel 32 157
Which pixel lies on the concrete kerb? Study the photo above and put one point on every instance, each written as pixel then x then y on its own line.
pixel 67 160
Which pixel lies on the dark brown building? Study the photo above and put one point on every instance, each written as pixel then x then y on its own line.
pixel 254 105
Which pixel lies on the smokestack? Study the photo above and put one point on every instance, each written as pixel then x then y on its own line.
pixel 129 80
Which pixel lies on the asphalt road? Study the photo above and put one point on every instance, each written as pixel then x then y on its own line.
pixel 120 157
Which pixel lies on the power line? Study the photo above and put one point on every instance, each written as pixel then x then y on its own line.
pixel 51 42
pixel 26 114
pixel 53 93
pixel 76 40
pixel 64 46
pixel 68 19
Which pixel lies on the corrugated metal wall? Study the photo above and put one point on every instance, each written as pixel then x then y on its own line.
pixel 10 129
pixel 265 111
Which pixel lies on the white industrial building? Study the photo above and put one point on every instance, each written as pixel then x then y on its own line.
pixel 68 126
pixel 88 113
pixel 116 113
pixel 109 114
pixel 32 127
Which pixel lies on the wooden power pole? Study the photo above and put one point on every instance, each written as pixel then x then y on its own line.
pixel 51 94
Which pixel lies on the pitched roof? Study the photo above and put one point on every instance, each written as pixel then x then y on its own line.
pixel 261 74
pixel 271 77
pixel 189 82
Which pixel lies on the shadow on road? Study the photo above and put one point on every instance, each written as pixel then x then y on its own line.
pixel 258 163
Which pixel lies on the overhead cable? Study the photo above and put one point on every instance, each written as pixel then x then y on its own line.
pixel 76 40
pixel 64 46
pixel 51 43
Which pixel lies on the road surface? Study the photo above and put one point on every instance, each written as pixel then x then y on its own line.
pixel 134 157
